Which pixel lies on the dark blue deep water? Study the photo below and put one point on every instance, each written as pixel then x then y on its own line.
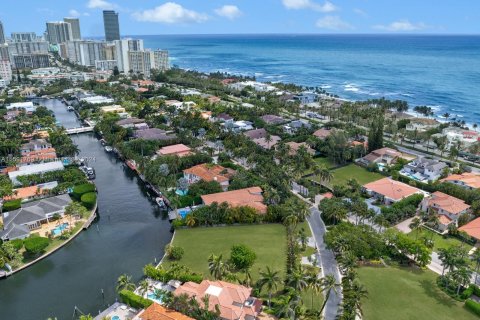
pixel 439 71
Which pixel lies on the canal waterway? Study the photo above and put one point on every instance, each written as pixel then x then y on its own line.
pixel 129 233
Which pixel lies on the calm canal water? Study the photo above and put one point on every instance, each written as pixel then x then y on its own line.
pixel 130 233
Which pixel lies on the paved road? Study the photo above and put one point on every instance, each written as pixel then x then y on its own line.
pixel 327 261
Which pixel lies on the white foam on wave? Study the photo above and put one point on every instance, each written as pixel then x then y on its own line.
pixel 351 87
pixel 325 86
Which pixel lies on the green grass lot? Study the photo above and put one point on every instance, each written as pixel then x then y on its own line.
pixel 268 241
pixel 407 294
pixel 329 164
pixel 439 241
pixel 343 174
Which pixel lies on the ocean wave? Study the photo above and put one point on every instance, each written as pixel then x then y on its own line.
pixel 325 86
pixel 351 87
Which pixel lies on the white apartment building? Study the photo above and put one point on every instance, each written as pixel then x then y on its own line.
pixel 85 52
pixel 5 71
pixel 105 64
pixel 122 47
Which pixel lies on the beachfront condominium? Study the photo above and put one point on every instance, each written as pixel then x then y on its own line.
pixel 110 22
pixel 31 60
pixel 142 62
pixel 2 34
pixel 59 32
pixel 24 36
pixel 75 25
pixel 122 47
pixel 85 52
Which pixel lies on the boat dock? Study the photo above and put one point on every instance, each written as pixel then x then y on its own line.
pixel 79 130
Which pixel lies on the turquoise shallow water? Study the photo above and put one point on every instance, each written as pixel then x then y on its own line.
pixel 439 71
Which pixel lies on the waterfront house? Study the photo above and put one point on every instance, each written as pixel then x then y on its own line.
pixel 448 208
pixel 92 99
pixel 272 119
pixel 157 312
pixel 34 169
pixel 423 169
pixel 34 145
pixel 467 180
pixel 132 123
pixel 19 223
pixel 31 192
pixel 233 300
pixel 42 155
pixel 28 106
pixel 389 191
pixel 154 134
pixel 209 172
pixel 179 150
pixel 251 197
pixel 421 124
pixel 257 86
pixel 457 135
pixel 386 156
pixel 306 97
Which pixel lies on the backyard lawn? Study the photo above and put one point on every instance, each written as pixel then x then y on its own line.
pixel 343 174
pixel 325 162
pixel 268 242
pixel 406 294
pixel 439 241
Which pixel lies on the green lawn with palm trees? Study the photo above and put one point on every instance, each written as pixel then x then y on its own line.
pixel 405 294
pixel 341 175
pixel 439 241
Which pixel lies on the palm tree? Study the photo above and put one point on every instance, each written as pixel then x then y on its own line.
pixel 190 220
pixel 124 282
pixel 446 115
pixel 461 276
pixel 476 259
pixel 269 279
pixel 216 266
pixel 298 279
pixel 143 287
pixel 415 225
pixel 316 285
pixel 329 283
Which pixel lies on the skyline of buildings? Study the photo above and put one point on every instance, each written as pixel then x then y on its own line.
pixel 27 50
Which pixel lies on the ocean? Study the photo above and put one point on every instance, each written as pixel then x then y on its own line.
pixel 440 71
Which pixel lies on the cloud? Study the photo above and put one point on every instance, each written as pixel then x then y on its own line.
pixel 170 13
pixel 229 11
pixel 333 23
pixel 360 12
pixel 74 13
pixel 402 26
pixel 101 4
pixel 308 4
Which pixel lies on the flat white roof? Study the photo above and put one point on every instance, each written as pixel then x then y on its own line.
pixel 213 291
pixel 36 168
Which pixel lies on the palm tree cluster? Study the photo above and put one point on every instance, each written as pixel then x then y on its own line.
pixel 456 264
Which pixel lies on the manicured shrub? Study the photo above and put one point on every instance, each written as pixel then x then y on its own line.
pixel 174 253
pixel 12 205
pixel 242 256
pixel 134 300
pixel 89 199
pixel 166 275
pixel 36 245
pixel 467 293
pixel 473 306
pixel 17 243
pixel 82 189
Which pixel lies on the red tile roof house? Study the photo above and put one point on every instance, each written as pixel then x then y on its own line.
pixel 323 133
pixel 390 191
pixel 208 172
pixel 466 180
pixel 234 301
pixel 179 150
pixel 251 197
pixel 472 229
pixel 41 155
pixel 158 312
pixel 259 137
pixel 448 208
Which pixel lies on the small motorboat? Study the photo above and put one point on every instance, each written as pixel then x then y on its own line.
pixel 70 108
pixel 108 149
pixel 160 202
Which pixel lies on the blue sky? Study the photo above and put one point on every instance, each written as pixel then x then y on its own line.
pixel 142 17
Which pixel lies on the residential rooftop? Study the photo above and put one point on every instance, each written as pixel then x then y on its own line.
pixel 251 197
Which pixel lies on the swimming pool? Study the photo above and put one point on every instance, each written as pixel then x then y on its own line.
pixel 183 212
pixel 58 229
pixel 153 297
pixel 115 318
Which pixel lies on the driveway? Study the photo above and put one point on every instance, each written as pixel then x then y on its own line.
pixel 327 261
pixel 404 226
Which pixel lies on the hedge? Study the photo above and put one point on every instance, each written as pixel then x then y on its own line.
pixel 89 199
pixel 134 300
pixel 164 275
pixel 17 243
pixel 81 189
pixel 473 306
pixel 12 205
pixel 36 245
